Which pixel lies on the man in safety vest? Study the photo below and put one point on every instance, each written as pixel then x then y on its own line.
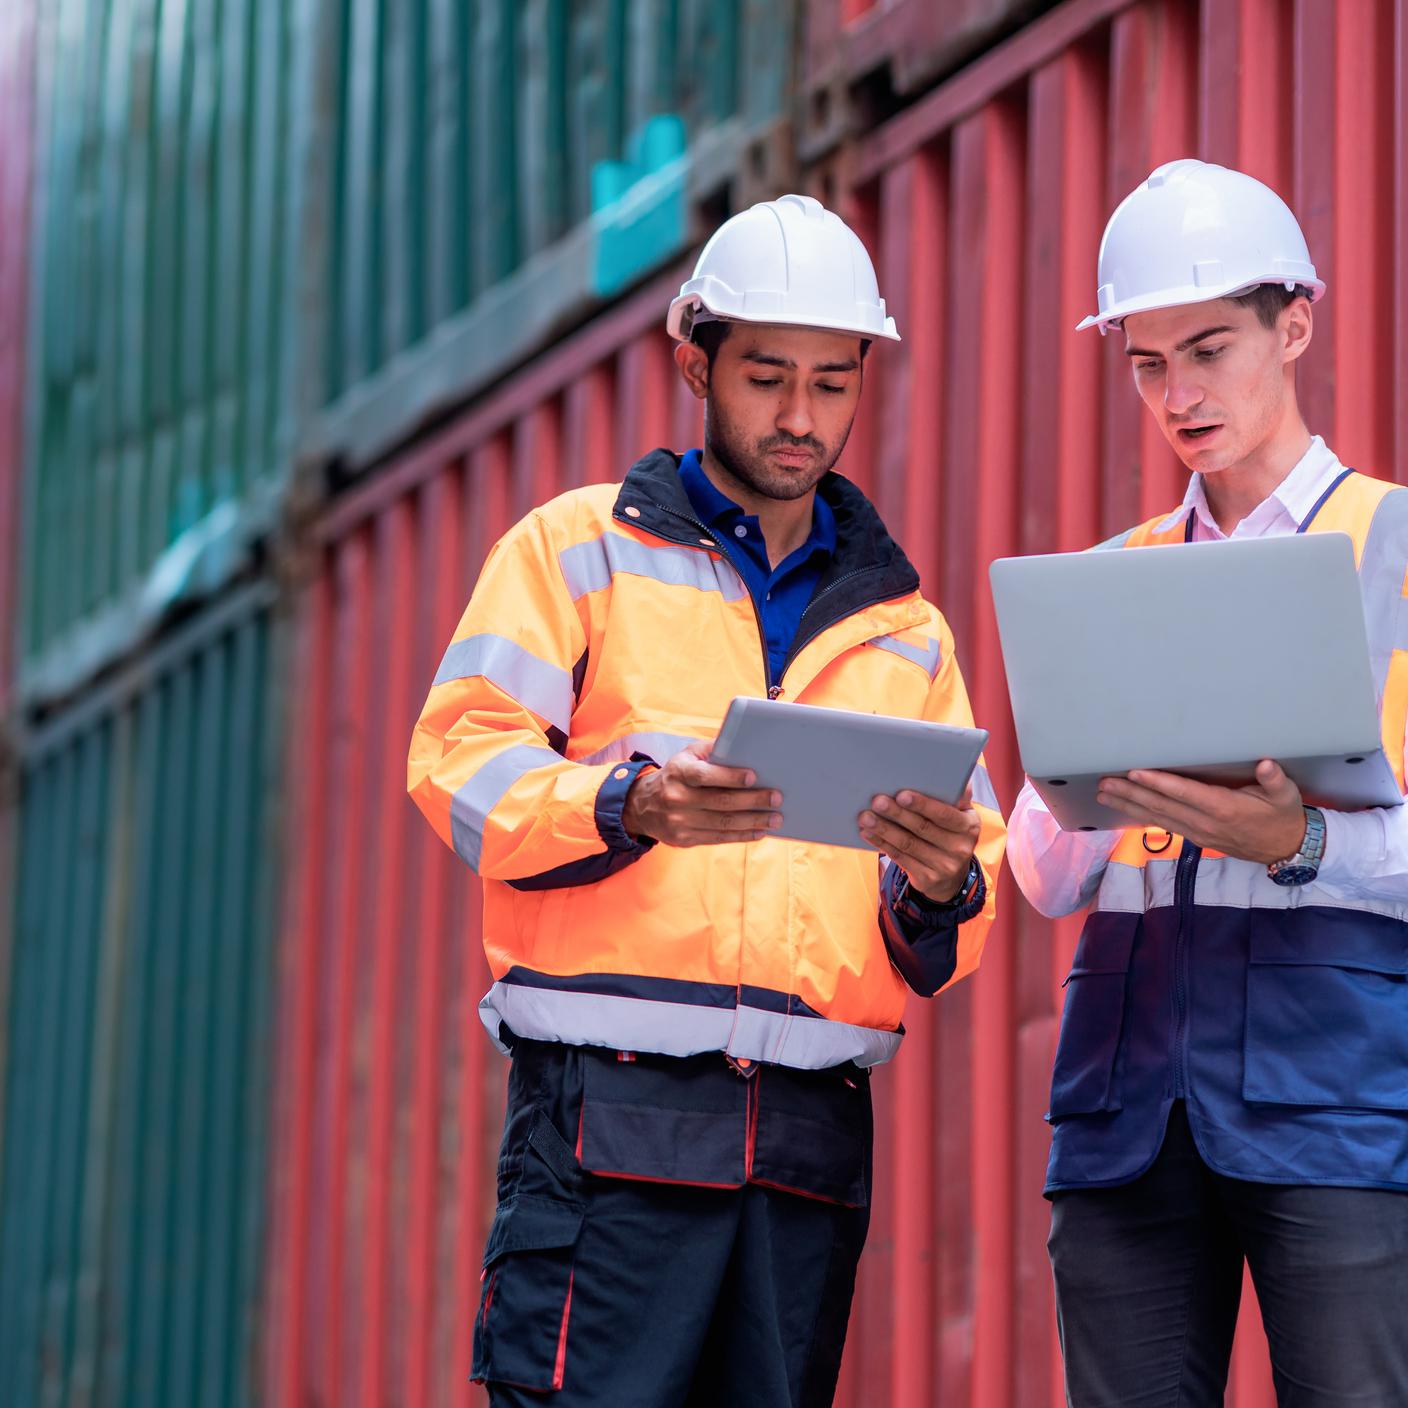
pixel 1231 1081
pixel 693 1007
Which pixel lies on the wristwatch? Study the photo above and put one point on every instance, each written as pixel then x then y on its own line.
pixel 1304 866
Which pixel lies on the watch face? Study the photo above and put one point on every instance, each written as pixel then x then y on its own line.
pixel 1296 874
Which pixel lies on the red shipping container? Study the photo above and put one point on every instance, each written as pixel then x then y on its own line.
pixel 993 428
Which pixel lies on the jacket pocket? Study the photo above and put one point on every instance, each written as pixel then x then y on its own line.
pixel 1085 1079
pixel 525 1302
pixel 1327 1009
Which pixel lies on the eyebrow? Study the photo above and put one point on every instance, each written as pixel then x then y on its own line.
pixel 771 359
pixel 1181 346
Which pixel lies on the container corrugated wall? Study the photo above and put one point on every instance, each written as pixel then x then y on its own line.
pixel 995 429
pixel 133 1179
pixel 17 26
pixel 391 1099
pixel 161 330
pixel 498 171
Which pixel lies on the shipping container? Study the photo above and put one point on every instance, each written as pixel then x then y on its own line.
pixel 993 428
pixel 17 27
pixel 861 59
pixel 498 171
pixel 162 335
pixel 390 1097
pixel 132 1183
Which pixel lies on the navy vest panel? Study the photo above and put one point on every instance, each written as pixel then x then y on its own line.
pixel 1286 1030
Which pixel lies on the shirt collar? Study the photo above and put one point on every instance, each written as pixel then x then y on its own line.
pixel 1296 494
pixel 715 508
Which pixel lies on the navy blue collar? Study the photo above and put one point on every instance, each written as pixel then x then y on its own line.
pixel 719 511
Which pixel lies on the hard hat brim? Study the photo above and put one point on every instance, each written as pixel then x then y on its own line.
pixel 1180 298
pixel 680 328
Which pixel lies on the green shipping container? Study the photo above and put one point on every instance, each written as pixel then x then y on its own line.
pixel 162 332
pixel 500 169
pixel 136 1039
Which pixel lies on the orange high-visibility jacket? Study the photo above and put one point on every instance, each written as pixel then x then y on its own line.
pixel 609 627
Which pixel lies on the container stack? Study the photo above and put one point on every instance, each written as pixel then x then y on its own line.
pixel 302 304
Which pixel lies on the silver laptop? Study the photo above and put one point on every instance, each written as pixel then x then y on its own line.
pixel 1197 658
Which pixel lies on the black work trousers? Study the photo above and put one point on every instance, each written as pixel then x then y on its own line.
pixel 1149 1279
pixel 629 1292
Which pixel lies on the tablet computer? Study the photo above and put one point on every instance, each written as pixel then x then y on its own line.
pixel 829 763
pixel 1194 658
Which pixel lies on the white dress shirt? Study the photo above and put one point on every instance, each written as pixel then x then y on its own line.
pixel 1366 852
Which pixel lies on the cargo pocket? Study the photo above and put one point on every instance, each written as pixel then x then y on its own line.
pixel 525 1301
pixel 1085 1080
pixel 525 1298
pixel 1327 1010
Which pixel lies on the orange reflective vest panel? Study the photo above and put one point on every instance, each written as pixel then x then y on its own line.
pixel 606 627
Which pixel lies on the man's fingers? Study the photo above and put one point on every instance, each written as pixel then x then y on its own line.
pixel 725 799
pixel 694 770
pixel 926 816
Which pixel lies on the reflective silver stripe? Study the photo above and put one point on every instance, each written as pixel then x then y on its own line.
pixel 659 746
pixel 1226 883
pixel 984 793
pixel 1243 884
pixel 535 683
pixel 590 566
pixel 480 794
pixel 679 1029
pixel 927 658
pixel 1132 889
pixel 1118 541
pixel 1381 568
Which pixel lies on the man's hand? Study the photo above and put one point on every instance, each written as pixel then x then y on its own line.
pixel 1263 822
pixel 933 841
pixel 693 802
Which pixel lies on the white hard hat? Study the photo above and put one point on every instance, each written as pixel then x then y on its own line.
pixel 1194 232
pixel 784 261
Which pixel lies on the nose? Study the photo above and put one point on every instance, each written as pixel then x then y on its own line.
pixel 794 415
pixel 1181 392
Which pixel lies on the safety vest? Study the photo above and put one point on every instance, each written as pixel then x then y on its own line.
pixel 1279 1013
pixel 608 626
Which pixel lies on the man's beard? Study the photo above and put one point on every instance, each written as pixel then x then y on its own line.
pixel 749 465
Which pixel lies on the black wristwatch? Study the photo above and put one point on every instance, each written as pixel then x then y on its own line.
pixel 963 906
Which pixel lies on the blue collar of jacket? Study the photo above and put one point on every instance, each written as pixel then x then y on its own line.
pixel 872 564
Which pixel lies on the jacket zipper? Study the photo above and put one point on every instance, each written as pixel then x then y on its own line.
pixel 752 1132
pixel 1185 879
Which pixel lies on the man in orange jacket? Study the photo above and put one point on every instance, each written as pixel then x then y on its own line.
pixel 692 1005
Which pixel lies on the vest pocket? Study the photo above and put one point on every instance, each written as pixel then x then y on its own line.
pixel 1327 1009
pixel 1085 1079
pixel 520 1331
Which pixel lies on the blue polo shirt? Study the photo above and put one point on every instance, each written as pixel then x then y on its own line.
pixel 780 593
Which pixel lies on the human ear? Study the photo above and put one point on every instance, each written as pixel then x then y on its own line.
pixel 693 362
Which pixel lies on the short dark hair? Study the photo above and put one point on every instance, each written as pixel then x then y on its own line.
pixel 1269 301
pixel 710 336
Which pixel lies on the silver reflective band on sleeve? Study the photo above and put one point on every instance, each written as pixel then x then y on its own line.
pixel 1381 571
pixel 535 683
pixel 926 656
pixel 984 794
pixel 479 794
pixel 590 566
pixel 679 1029
pixel 659 747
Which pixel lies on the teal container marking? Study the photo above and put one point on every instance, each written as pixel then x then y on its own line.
pixel 642 210
pixel 133 1174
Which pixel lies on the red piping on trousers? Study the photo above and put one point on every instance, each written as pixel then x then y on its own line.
pixel 560 1368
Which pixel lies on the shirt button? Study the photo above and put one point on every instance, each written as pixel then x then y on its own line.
pixel 740 532
pixel 621 774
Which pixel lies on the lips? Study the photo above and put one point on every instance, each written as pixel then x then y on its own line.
pixel 1197 434
pixel 796 458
